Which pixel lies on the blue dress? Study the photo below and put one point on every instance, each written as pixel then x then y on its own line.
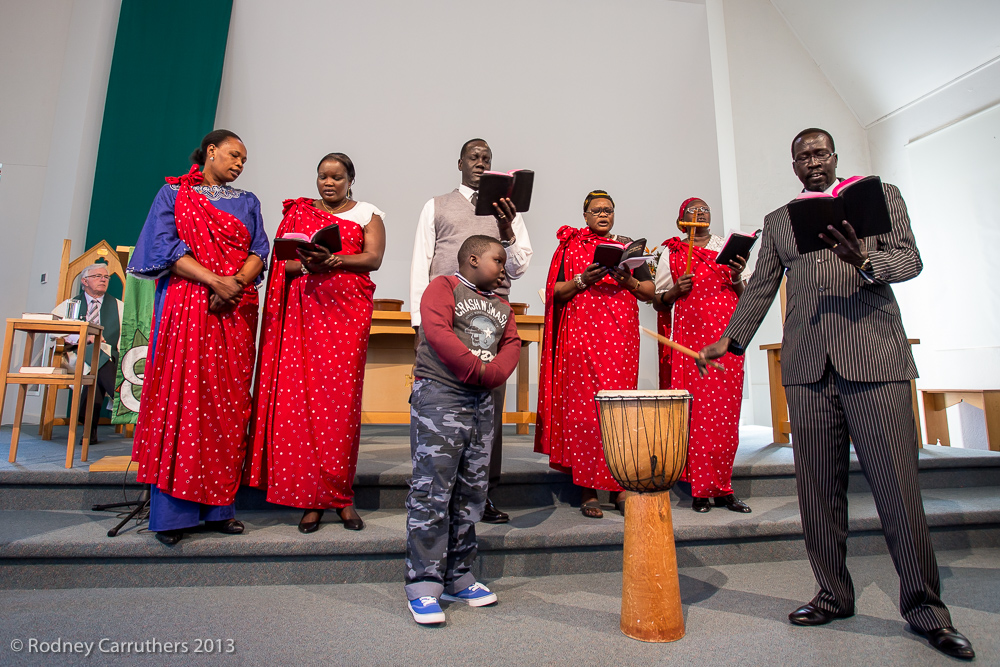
pixel 156 251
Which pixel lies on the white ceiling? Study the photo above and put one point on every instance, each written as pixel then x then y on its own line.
pixel 880 55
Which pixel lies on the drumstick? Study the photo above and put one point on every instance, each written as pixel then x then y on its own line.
pixel 680 348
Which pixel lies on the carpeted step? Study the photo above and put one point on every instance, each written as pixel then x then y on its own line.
pixel 55 549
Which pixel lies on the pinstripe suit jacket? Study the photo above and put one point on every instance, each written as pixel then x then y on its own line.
pixel 832 311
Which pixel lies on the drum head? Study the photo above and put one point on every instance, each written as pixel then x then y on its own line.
pixel 639 394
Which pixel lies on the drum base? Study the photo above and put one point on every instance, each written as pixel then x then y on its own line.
pixel 651 593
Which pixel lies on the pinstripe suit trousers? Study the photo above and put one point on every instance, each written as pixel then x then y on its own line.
pixel 826 416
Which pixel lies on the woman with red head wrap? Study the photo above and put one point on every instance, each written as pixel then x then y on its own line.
pixel 702 300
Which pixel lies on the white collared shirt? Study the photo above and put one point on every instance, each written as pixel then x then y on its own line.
pixel 518 254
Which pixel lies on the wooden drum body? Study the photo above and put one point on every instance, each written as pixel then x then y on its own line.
pixel 645 436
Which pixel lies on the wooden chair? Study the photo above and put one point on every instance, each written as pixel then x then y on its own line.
pixel 69 285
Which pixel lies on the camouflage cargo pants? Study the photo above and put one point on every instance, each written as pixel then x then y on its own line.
pixel 451 434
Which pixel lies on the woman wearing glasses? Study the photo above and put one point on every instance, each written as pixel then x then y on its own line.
pixel 591 343
pixel 703 299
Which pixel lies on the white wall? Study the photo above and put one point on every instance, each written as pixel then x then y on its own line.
pixel 954 297
pixel 54 79
pixel 596 97
pixel 776 89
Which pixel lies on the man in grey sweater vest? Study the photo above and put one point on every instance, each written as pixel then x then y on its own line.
pixel 444 224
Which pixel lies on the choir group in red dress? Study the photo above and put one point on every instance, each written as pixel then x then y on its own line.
pixel 200 434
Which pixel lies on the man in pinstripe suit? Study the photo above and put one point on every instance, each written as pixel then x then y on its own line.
pixel 846 367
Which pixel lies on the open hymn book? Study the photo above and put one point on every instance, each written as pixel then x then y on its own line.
pixel 618 255
pixel 858 200
pixel 496 185
pixel 286 246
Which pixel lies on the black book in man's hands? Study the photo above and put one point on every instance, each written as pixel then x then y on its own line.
pixel 328 237
pixel 738 244
pixel 616 255
pixel 860 201
pixel 496 185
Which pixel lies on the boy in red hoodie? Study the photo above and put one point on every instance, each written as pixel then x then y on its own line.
pixel 468 346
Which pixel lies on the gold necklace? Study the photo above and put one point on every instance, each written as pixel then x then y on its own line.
pixel 326 207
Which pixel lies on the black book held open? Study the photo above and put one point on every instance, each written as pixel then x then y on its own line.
pixel 328 237
pixel 496 185
pixel 860 201
pixel 612 255
pixel 738 244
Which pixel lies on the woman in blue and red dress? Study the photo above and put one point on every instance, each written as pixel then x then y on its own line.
pixel 204 243
pixel 317 316
pixel 703 299
pixel 591 342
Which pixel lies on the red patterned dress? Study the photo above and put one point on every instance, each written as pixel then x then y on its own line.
pixel 307 418
pixel 190 438
pixel 699 318
pixel 591 342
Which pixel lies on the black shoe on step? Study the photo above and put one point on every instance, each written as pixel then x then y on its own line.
pixel 227 526
pixel 492 515
pixel 350 524
pixel 733 504
pixel 310 526
pixel 700 504
pixel 170 537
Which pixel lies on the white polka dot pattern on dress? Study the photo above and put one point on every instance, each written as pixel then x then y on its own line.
pixel 190 438
pixel 314 343
pixel 699 318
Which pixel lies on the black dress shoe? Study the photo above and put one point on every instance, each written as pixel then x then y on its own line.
pixel 170 537
pixel 492 515
pixel 949 641
pixel 810 614
pixel 700 504
pixel 227 526
pixel 350 524
pixel 733 504
pixel 310 526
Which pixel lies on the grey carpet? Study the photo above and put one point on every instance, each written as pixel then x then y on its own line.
pixel 735 615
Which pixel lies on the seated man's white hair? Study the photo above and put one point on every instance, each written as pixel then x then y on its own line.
pixel 87 271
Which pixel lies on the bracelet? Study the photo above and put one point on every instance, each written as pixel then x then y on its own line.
pixel 305 271
pixel 578 279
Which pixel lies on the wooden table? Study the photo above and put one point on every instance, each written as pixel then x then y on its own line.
pixel 77 380
pixel 936 401
pixel 780 425
pixel 389 370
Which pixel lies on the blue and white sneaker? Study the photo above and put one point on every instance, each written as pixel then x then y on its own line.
pixel 426 610
pixel 475 595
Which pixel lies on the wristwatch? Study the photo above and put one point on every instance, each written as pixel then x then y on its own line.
pixel 866 266
pixel 507 244
pixel 578 279
pixel 305 271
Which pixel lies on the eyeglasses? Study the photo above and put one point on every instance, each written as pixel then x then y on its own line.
pixel 821 156
pixel 598 212
pixel 97 277
pixel 698 209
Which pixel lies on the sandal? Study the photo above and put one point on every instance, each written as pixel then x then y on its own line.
pixel 592 509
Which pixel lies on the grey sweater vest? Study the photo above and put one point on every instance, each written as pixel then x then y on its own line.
pixel 455 220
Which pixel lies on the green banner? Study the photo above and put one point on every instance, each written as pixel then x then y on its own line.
pixel 137 317
pixel 162 94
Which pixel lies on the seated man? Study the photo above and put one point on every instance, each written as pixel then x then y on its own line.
pixel 106 312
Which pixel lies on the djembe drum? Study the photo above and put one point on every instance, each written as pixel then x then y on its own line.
pixel 645 436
